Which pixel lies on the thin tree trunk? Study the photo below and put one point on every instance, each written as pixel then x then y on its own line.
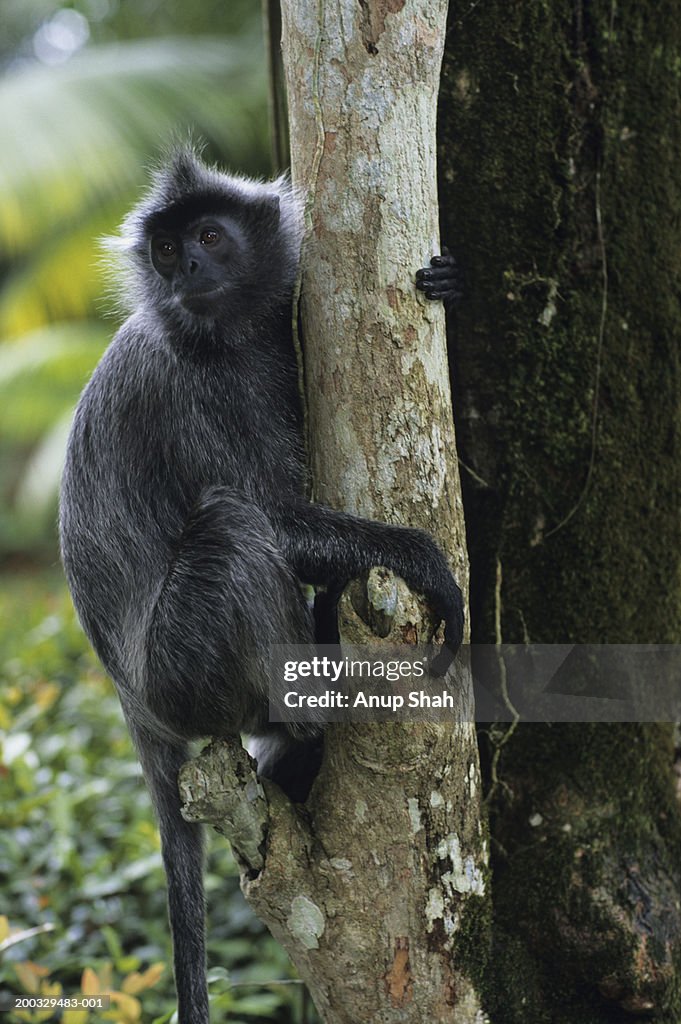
pixel 377 891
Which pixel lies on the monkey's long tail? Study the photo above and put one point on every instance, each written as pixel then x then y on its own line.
pixel 182 850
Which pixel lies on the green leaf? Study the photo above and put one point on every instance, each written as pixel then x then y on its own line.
pixel 96 119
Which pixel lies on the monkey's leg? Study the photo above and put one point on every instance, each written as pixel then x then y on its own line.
pixel 292 764
pixel 228 596
pixel 202 671
pixel 326 612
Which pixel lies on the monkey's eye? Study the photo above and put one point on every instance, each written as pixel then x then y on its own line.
pixel 209 236
pixel 165 250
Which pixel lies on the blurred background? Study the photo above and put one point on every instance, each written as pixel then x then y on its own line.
pixel 90 92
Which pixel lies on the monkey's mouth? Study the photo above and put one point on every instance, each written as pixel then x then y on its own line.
pixel 201 299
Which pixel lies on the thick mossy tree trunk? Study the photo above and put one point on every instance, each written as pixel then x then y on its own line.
pixel 560 131
pixel 377 887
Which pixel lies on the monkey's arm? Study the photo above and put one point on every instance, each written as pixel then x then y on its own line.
pixel 329 547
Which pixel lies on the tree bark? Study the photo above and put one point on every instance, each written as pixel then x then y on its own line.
pixel 378 888
pixel 560 145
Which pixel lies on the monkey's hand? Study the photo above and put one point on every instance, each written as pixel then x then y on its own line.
pixel 441 280
pixel 453 616
pixel 428 572
pixel 327 547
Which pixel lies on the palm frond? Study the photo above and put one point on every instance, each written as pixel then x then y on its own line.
pixel 37 491
pixel 41 375
pixel 77 135
pixel 66 278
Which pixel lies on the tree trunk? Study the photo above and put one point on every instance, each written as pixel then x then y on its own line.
pixel 377 890
pixel 560 151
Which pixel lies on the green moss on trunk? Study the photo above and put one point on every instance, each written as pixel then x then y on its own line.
pixel 560 135
pixel 560 149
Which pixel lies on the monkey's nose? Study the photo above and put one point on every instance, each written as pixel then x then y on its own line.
pixel 190 264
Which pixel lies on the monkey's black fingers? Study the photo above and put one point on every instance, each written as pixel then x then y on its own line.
pixel 438 283
pixel 438 273
pixel 439 665
pixel 449 297
pixel 441 280
pixel 454 623
pixel 445 259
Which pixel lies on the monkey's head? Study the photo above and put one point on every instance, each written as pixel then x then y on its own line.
pixel 207 247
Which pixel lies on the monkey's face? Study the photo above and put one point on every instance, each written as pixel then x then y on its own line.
pixel 201 261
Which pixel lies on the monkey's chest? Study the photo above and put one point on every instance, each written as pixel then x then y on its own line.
pixel 221 441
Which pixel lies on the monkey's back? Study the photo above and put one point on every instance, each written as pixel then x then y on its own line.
pixel 154 429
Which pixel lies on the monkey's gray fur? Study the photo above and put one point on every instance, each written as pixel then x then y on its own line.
pixel 184 527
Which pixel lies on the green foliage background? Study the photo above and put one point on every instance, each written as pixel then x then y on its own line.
pixel 79 851
pixel 78 846
pixel 78 137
